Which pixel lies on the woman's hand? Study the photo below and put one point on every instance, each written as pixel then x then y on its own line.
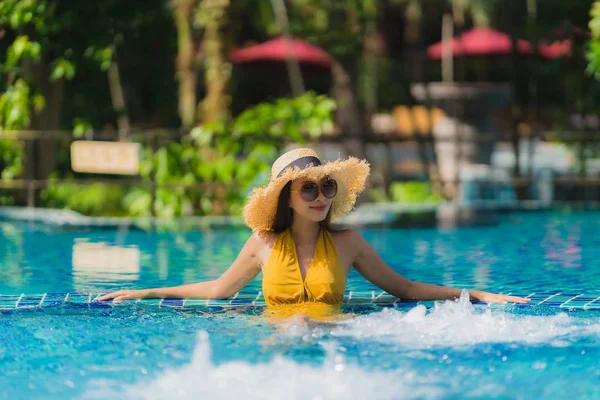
pixel 124 295
pixel 496 298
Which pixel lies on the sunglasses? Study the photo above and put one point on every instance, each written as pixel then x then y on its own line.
pixel 309 191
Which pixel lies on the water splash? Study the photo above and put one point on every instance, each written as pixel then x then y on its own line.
pixel 277 379
pixel 459 323
pixel 409 367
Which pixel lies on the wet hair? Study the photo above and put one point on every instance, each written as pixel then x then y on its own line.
pixel 284 216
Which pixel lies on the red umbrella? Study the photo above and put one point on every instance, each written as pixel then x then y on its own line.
pixel 479 41
pixel 562 47
pixel 556 49
pixel 279 49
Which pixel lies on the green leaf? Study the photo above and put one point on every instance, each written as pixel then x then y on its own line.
pixel 20 48
pixel 62 69
pixel 202 135
pixel 81 127
pixel 39 102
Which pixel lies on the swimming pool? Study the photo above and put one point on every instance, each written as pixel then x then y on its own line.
pixel 55 344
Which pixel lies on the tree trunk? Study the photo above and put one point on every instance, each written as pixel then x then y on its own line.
pixel 40 161
pixel 370 55
pixel 117 97
pixel 292 65
pixel 48 119
pixel 217 71
pixel 186 65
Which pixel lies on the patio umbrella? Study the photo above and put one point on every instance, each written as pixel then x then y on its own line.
pixel 557 49
pixel 478 99
pixel 479 41
pixel 562 46
pixel 280 49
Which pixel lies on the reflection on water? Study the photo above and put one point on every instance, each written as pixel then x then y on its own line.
pixel 95 263
pixel 308 311
pixel 526 253
pixel 563 245
pixel 11 254
pixel 37 258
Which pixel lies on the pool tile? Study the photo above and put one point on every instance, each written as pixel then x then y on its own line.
pixel 254 298
pixel 196 302
pixel 562 299
pixel 407 304
pixel 219 302
pixel 584 299
pixel 29 301
pixel 78 298
pixel 152 302
pixel 594 304
pixel 54 298
pixel 241 302
pixel 172 303
pixel 385 299
pixel 249 297
pixel 9 301
pixel 575 304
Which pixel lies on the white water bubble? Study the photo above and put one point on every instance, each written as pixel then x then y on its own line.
pixel 540 365
pixel 277 379
pixel 459 324
pixel 452 326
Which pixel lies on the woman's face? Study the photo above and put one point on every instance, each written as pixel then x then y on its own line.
pixel 315 210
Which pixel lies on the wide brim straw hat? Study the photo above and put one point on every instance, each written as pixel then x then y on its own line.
pixel 350 174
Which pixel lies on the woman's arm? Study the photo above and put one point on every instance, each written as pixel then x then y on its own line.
pixel 370 265
pixel 245 268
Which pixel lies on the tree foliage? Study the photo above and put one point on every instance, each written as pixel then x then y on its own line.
pixel 225 159
pixel 593 53
pixel 56 57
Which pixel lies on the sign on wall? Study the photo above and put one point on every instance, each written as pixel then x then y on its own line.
pixel 119 158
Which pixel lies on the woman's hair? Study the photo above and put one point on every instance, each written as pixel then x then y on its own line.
pixel 285 216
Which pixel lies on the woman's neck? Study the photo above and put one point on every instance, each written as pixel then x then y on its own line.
pixel 305 232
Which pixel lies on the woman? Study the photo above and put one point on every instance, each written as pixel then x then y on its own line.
pixel 302 259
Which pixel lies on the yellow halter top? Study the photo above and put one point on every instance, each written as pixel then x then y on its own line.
pixel 325 279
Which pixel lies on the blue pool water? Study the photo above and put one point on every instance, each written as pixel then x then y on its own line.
pixel 450 350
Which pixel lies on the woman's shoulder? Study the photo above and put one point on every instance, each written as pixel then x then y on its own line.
pixel 265 238
pixel 345 235
pixel 348 244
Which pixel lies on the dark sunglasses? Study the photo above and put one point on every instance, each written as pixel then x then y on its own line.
pixel 309 191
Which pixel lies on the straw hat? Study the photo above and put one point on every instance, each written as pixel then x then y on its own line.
pixel 350 174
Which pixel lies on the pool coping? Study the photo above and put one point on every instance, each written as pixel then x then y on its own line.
pixel 564 301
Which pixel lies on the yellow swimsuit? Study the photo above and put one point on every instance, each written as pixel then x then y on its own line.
pixel 325 279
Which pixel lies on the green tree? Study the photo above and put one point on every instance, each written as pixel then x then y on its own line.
pixel 201 45
pixel 48 40
pixel 224 159
pixel 593 53
pixel 211 16
pixel 340 28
